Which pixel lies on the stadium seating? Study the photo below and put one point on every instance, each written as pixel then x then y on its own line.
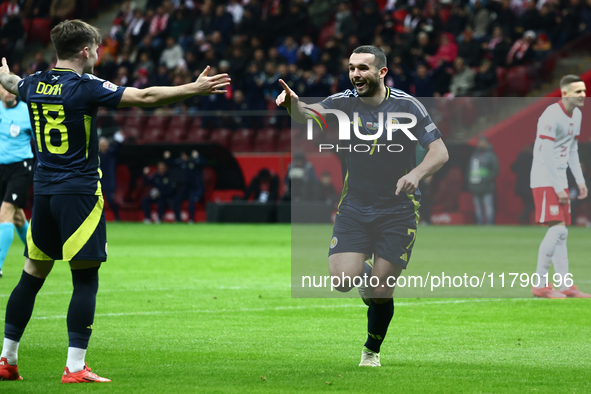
pixel 154 129
pixel 242 140
pixel 265 140
pixel 221 137
pixel 284 141
pixel 198 134
pixel 518 81
pixel 177 128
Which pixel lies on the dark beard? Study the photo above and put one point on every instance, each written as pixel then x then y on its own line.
pixel 372 86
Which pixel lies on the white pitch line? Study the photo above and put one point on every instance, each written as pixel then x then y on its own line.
pixel 280 308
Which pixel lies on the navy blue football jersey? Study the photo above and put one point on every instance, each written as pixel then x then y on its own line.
pixel 62 107
pixel 371 175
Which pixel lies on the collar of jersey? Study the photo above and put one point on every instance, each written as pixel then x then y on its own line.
pixel 64 70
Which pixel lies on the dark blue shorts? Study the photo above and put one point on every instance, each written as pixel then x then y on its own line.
pixel 67 227
pixel 390 236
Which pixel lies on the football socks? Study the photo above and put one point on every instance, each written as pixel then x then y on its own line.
pixel 547 249
pixel 20 306
pixel 82 306
pixel 6 237
pixel 378 320
pixel 22 232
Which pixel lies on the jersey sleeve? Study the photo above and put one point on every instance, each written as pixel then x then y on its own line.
pixel 23 87
pixel 101 92
pixel 546 127
pixel 425 130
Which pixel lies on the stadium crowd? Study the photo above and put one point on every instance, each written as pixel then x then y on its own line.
pixel 434 48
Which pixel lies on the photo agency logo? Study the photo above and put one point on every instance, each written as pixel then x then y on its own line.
pixel 369 131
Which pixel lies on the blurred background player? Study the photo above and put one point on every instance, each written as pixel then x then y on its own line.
pixel 68 220
pixel 191 187
pixel 555 149
pixel 378 212
pixel 162 192
pixel 484 168
pixel 16 170
pixel 108 159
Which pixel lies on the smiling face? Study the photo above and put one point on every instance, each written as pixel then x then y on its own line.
pixel 364 74
pixel 575 93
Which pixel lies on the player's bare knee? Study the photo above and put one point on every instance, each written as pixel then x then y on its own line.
pixel 7 212
pixel 37 268
pixel 19 218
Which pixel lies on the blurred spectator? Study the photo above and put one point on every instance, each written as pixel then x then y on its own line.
pixel 522 169
pixel 498 47
pixel 457 21
pixel 180 26
pixel 61 9
pixel 10 33
pixel 530 19
pixel 327 193
pixel 108 159
pixel 398 76
pixel 236 10
pixel 138 27
pixel 172 55
pixel 485 79
pixel 190 182
pixel 367 22
pixel 446 52
pixel 36 8
pixel 161 193
pixel 263 188
pixel 40 64
pixel 521 52
pixel 320 83
pixel 470 50
pixel 158 26
pixel 484 168
pixel 222 22
pixel 506 19
pixel 289 50
pixel 345 22
pixel 307 53
pixel 424 47
pixel 423 83
pixel 463 80
pixel 301 181
pixel 569 25
pixel 480 21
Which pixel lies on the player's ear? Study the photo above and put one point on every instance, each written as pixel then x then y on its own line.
pixel 86 52
pixel 383 72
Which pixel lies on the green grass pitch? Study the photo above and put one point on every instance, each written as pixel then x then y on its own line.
pixel 207 308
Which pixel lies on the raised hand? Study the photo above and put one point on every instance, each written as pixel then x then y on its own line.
pixel 285 98
pixel 4 69
pixel 211 85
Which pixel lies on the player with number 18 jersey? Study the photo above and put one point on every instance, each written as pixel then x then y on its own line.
pixel 62 106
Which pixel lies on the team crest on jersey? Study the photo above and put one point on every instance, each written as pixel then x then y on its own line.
pixel 571 129
pixel 333 242
pixel 554 209
pixel 110 86
pixel 15 130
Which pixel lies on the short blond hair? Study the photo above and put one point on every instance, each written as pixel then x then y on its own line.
pixel 70 37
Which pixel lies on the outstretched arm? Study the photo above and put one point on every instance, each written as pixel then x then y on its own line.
pixel 290 100
pixel 436 157
pixel 161 95
pixel 9 82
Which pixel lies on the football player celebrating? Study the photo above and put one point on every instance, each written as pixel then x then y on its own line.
pixel 378 210
pixel 555 149
pixel 68 221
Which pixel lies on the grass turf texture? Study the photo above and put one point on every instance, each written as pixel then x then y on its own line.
pixel 207 308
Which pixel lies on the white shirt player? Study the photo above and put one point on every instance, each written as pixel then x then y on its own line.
pixel 556 148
